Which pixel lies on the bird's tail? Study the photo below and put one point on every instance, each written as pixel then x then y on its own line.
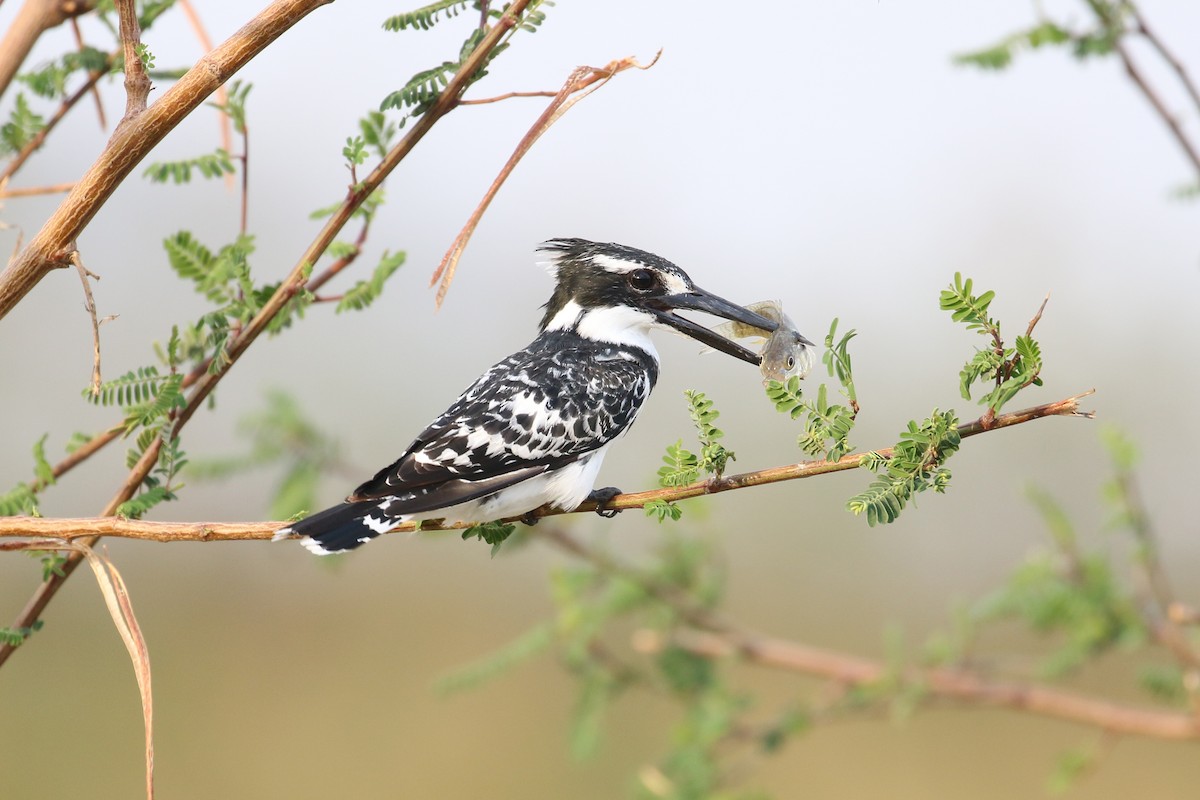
pixel 338 529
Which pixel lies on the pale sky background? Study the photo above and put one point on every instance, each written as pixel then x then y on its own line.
pixel 826 154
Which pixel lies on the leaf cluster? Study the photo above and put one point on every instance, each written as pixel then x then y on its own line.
pixel 157 487
pixel 365 292
pixel 420 92
pixel 278 434
pixel 827 425
pixel 15 637
pixel 917 464
pixel 1111 22
pixel 50 79
pixel 681 466
pixel 216 164
pixel 22 499
pixel 234 105
pixel 426 17
pixel 1076 598
pixel 494 533
pixel 1008 369
pixel 22 126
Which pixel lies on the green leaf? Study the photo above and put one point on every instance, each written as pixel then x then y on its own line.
pixel 1072 765
pixel 363 293
pixel 494 533
pixel 235 104
pixel 682 466
pixel 377 132
pixel 210 165
pixel 18 501
pixel 521 649
pixel 421 90
pixel 916 465
pixel 15 637
pixel 355 151
pixel 22 126
pixel 298 490
pixel 138 506
pixel 1000 55
pixel 133 388
pixel 188 257
pixel 425 17
pixel 663 509
pixel 684 671
pixel 1164 682
pixel 41 467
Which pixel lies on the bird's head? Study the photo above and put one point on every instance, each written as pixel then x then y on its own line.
pixel 613 293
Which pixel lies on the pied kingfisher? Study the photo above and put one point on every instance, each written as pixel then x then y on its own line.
pixel 534 428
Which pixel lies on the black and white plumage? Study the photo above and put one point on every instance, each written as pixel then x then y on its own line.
pixel 534 428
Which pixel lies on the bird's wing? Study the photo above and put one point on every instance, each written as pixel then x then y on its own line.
pixel 533 412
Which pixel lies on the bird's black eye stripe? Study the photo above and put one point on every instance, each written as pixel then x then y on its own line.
pixel 643 280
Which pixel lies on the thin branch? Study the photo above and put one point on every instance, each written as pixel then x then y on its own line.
pixel 506 96
pixel 340 264
pixel 719 637
pixel 292 284
pixel 137 82
pixel 957 684
pixel 1160 621
pixel 224 124
pixel 90 305
pixel 131 142
pixel 1160 107
pixel 34 191
pixel 582 79
pixel 1165 53
pixel 94 74
pixel 1037 317
pixel 229 531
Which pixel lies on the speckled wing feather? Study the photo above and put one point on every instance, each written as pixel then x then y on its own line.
pixel 539 409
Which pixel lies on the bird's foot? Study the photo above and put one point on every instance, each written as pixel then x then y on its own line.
pixel 531 517
pixel 602 497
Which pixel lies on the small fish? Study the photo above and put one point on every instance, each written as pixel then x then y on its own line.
pixel 785 352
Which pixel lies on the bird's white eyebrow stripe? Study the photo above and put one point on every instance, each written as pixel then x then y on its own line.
pixel 673 282
pixel 613 264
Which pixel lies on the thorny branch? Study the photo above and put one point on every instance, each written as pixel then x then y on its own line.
pixel 288 288
pixel 132 141
pixel 230 531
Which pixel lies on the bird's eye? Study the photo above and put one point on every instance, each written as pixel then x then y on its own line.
pixel 791 362
pixel 642 280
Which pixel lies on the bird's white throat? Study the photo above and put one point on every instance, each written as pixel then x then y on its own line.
pixel 622 325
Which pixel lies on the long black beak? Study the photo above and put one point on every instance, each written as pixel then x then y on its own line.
pixel 700 300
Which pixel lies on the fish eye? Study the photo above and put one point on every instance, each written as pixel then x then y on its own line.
pixel 643 280
pixel 791 362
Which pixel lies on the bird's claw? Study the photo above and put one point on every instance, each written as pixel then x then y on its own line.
pixel 531 517
pixel 602 497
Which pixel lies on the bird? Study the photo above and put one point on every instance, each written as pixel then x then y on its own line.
pixel 535 427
